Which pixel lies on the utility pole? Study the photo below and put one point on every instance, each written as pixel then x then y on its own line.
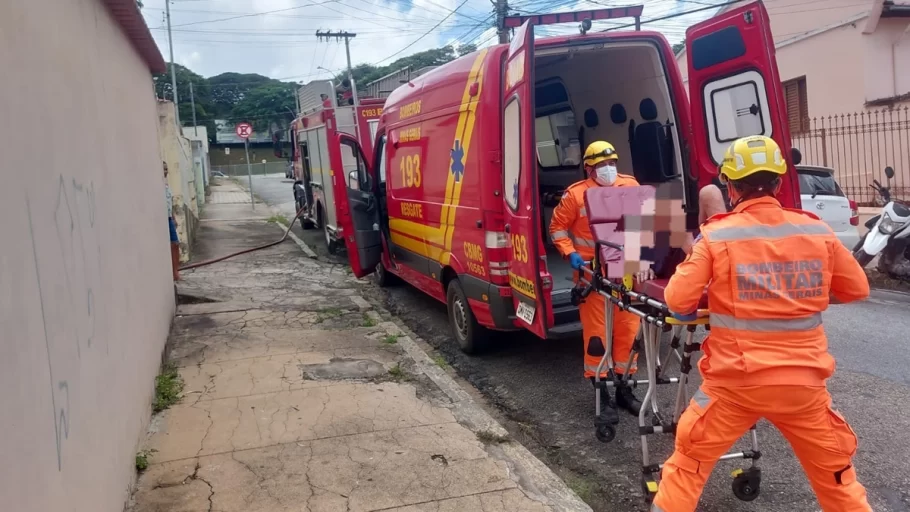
pixel 193 104
pixel 501 9
pixel 347 36
pixel 170 44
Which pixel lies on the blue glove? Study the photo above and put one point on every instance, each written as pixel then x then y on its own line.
pixel 576 261
pixel 685 318
pixel 697 239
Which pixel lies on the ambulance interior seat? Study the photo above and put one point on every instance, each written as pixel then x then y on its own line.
pixel 606 208
pixel 652 149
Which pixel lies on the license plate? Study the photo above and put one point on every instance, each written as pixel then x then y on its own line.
pixel 526 312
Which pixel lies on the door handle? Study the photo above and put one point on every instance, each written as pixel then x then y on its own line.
pixel 508 229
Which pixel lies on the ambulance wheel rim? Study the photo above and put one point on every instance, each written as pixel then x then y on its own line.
pixel 460 317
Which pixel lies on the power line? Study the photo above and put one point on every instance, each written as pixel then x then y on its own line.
pixel 425 34
pixel 255 14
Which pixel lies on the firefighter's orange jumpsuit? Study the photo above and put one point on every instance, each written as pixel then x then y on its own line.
pixel 569 223
pixel 769 271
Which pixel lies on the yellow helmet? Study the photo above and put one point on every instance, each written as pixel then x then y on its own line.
pixel 600 151
pixel 749 155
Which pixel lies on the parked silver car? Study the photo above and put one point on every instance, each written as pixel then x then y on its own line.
pixel 821 195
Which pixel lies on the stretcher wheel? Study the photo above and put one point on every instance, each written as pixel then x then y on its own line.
pixel 605 433
pixel 747 484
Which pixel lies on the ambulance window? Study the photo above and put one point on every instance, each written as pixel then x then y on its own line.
pixel 351 161
pixel 382 162
pixel 511 153
pixel 737 106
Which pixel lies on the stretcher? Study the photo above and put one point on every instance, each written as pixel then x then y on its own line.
pixel 604 209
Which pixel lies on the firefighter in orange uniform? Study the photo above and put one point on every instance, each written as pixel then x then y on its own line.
pixel 770 272
pixel 569 223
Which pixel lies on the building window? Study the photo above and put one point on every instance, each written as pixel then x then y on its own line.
pixel 797 104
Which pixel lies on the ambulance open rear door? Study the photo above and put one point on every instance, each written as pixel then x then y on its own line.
pixel 519 157
pixel 735 91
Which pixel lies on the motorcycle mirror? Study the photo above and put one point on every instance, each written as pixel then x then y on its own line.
pixel 889 172
pixel 796 156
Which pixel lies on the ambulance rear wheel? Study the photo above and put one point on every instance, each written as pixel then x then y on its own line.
pixel 471 336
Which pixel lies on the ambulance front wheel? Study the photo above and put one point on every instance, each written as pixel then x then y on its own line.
pixel 471 336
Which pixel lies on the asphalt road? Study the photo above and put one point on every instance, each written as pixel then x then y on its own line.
pixel 537 388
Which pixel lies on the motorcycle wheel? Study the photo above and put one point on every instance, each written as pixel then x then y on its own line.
pixel 862 257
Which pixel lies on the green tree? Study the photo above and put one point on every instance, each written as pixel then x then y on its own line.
pixel 201 94
pixel 269 107
pixel 229 89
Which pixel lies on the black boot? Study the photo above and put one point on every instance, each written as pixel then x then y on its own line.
pixel 625 399
pixel 608 412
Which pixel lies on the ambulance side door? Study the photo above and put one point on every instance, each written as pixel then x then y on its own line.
pixel 735 91
pixel 519 157
pixel 357 207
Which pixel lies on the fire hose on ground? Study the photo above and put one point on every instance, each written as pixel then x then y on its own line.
pixel 246 251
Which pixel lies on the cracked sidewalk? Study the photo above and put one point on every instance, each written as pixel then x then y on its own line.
pixel 300 396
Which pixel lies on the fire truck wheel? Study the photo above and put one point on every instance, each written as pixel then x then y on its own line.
pixel 304 222
pixel 471 336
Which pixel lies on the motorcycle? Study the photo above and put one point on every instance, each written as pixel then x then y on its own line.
pixel 889 232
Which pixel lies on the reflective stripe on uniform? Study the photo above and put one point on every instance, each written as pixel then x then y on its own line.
pixel 764 231
pixel 656 508
pixel 805 323
pixel 584 242
pixel 559 235
pixel 701 398
pixel 583 212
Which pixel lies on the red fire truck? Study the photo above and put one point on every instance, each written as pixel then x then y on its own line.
pixel 316 156
pixel 471 158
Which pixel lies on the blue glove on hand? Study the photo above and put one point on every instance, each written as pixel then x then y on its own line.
pixel 576 261
pixel 697 239
pixel 685 318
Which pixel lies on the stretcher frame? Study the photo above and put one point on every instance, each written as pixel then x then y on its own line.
pixel 655 319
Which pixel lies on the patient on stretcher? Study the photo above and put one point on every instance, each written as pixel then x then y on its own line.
pixel 615 216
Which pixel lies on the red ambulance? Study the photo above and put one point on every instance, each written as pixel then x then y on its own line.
pixel 471 158
pixel 315 153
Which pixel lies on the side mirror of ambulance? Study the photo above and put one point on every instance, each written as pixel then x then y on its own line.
pixel 796 156
pixel 353 180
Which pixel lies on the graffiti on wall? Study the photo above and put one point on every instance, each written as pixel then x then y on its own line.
pixel 67 251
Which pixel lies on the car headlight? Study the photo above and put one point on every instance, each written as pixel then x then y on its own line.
pixel 887 226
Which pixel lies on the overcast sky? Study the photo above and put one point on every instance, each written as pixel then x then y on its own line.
pixel 277 38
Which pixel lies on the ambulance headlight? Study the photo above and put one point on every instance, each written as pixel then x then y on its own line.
pixel 887 226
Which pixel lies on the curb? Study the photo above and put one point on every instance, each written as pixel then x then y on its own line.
pixel 306 248
pixel 532 475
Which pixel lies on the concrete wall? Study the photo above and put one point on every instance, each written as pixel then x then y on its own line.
pixel 258 152
pixel 86 296
pixel 177 151
pixel 887 59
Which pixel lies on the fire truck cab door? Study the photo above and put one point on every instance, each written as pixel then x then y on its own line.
pixel 735 90
pixel 520 183
pixel 357 207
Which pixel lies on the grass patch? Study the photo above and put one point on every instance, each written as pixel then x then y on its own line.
pixel 168 386
pixel 440 362
pixel 487 437
pixel 391 339
pixel 278 218
pixel 327 314
pixel 368 321
pixel 396 372
pixel 142 459
pixel 583 487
